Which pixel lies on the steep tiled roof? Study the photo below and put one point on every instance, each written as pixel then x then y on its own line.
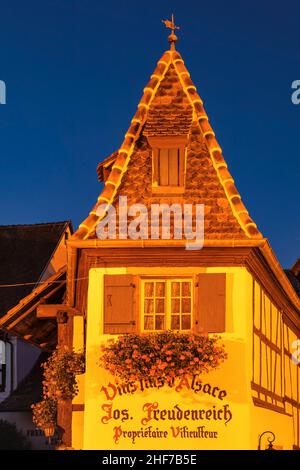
pixel 202 185
pixel 171 105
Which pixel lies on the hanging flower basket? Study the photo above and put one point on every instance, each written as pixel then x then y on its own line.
pixel 44 416
pixel 165 355
pixel 59 384
pixel 60 374
pixel 77 364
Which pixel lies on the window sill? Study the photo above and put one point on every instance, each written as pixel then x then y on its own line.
pixel 168 190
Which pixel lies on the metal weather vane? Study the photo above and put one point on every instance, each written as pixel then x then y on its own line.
pixel 172 26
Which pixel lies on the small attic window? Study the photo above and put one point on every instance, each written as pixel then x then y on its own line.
pixel 168 165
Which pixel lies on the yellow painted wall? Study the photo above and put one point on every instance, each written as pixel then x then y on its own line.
pixel 234 376
pixel 77 429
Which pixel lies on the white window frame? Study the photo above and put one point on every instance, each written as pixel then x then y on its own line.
pixel 168 297
pixel 3 371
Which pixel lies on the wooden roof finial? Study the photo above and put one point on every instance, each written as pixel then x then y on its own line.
pixel 172 38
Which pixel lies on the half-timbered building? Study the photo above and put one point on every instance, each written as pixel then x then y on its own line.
pixel 233 286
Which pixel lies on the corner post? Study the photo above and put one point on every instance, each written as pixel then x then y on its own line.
pixel 64 407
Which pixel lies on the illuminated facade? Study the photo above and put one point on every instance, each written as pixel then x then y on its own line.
pixel 233 286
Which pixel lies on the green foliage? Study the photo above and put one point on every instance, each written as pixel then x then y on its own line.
pixel 11 438
pixel 44 413
pixel 59 383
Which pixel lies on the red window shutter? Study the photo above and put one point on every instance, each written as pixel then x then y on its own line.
pixel 119 304
pixel 211 305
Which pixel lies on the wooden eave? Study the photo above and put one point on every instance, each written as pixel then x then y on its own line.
pixel 22 320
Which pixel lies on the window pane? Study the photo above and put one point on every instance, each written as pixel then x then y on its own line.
pixel 149 289
pixel 175 322
pixel 167 304
pixel 149 306
pixel 186 305
pixel 159 322
pixel 159 306
pixel 186 289
pixel 175 289
pixel 175 306
pixel 148 323
pixel 186 322
pixel 160 289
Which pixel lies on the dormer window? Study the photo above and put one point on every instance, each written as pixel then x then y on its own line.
pixel 168 164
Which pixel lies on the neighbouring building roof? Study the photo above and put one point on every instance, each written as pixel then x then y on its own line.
pixel 296 269
pixel 22 320
pixel 25 252
pixel 29 390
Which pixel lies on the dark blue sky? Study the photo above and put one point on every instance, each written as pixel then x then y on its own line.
pixel 75 71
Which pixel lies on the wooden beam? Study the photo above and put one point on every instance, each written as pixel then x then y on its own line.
pixel 269 406
pixel 64 409
pixel 54 291
pixel 24 315
pixel 50 310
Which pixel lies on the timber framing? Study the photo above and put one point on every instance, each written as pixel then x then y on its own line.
pixel 51 310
